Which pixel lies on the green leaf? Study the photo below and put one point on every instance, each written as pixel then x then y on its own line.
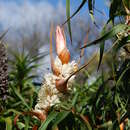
pixel 116 29
pixel 117 14
pixel 20 125
pixel 78 9
pixel 101 53
pixel 50 117
pixel 8 122
pixel 61 115
pixel 121 76
pixel 101 47
pixel 20 97
pixel 127 4
pixel 86 122
pixel 68 15
pixel 27 120
pixel 37 57
pixel 91 4
pixel 115 7
pixel 106 125
pixel 121 43
pixel 90 7
pixel 75 99
pixel 12 110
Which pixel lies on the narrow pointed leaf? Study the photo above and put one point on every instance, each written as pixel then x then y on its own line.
pixel 101 47
pixel 86 121
pixel 101 53
pixel 8 121
pixel 50 117
pixel 75 99
pixel 21 125
pixel 61 115
pixel 106 125
pixel 121 76
pixel 20 97
pixel 90 7
pixel 122 43
pixel 116 29
pixel 68 15
pixel 116 9
pixel 112 10
pixel 78 9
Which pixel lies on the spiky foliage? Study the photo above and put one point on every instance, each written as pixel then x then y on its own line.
pixel 3 72
pixel 21 75
pixel 22 93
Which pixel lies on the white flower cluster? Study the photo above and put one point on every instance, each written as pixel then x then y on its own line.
pixel 48 94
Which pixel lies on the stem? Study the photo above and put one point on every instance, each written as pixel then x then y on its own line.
pixel 82 67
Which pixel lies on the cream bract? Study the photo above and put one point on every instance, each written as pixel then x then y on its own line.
pixel 48 94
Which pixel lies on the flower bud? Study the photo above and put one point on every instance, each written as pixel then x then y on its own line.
pixel 64 56
pixel 61 49
pixel 61 85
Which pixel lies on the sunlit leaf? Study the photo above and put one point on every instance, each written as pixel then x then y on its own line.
pixel 60 116
pixel 78 9
pixel 90 7
pixel 119 79
pixel 115 5
pixel 75 99
pixel 122 43
pixel 101 47
pixel 12 110
pixel 106 125
pixel 27 120
pixel 86 121
pixel 8 122
pixel 20 125
pixel 116 29
pixel 50 117
pixel 20 97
